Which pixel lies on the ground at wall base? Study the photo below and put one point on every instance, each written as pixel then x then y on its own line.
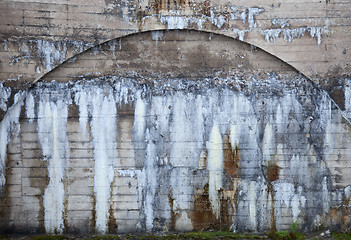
pixel 320 235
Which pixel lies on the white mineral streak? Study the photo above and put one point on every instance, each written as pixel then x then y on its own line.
pixel 175 22
pixel 252 12
pixel 30 105
pixel 150 169
pixel 243 16
pixel 330 128
pixel 253 205
pixel 5 45
pixel 182 195
pixel 317 32
pixel 347 193
pixel 104 132
pixel 81 99
pixel 5 93
pixel 287 198
pixel 187 137
pixel 141 179
pixel 151 180
pixel 240 33
pixel 139 117
pixel 295 33
pixel 170 131
pixel 347 94
pixel 183 223
pixel 271 34
pixel 100 104
pixel 297 202
pixel 185 132
pixel 199 23
pixel 157 35
pixel 215 167
pixel 51 53
pixel 7 125
pixel 325 196
pixel 139 139
pixel 52 120
pixel 128 172
pixel 268 144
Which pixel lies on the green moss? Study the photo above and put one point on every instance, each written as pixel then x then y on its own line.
pixel 218 235
pixel 341 236
pixel 194 236
pixel 102 237
pixel 286 235
pixel 50 237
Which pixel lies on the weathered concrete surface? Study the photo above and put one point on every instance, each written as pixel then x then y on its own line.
pixel 36 36
pixel 222 135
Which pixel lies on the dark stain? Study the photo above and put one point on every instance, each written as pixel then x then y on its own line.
pixel 73 111
pixel 167 5
pixel 206 7
pixel 225 220
pixel 39 178
pixel 173 215
pixel 273 219
pixel 112 223
pixel 65 202
pixel 139 18
pixel 272 171
pixel 5 201
pixel 231 157
pixel 338 96
pixel 93 211
pixel 202 216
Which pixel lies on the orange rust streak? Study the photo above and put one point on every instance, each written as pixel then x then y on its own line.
pixel 272 172
pixel 231 158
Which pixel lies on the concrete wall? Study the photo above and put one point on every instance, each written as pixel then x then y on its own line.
pixel 220 136
pixel 244 125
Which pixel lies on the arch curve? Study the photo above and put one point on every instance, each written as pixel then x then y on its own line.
pixel 206 38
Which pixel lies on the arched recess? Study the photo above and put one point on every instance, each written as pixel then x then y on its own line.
pixel 116 40
pixel 191 48
pixel 176 130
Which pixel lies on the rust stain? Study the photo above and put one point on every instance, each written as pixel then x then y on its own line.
pixel 236 196
pixel 345 222
pixel 231 157
pixel 273 218
pixel 65 202
pixel 206 8
pixel 167 5
pixel 173 215
pixel 272 171
pixel 226 200
pixel 202 216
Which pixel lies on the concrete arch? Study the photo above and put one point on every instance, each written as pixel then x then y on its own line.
pixel 211 32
